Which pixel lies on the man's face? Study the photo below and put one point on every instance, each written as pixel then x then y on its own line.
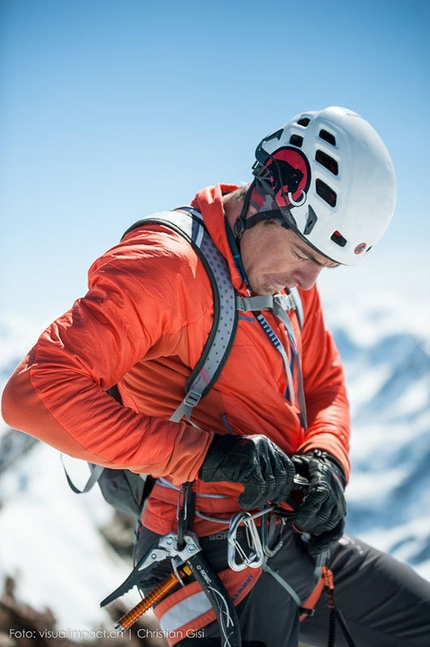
pixel 275 258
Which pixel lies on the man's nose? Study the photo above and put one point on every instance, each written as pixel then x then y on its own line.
pixel 306 275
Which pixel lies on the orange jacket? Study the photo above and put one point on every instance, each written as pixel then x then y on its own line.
pixel 142 325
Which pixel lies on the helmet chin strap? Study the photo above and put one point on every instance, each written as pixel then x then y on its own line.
pixel 240 224
pixel 257 196
pixel 254 196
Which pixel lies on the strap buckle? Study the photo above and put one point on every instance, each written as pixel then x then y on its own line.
pixel 192 398
pixel 286 301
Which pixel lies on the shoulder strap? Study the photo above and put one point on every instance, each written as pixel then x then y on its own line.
pixel 298 305
pixel 189 223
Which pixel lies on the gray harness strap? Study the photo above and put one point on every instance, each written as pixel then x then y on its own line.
pixel 280 304
pixel 279 312
pixel 95 473
pixel 289 301
pixel 221 337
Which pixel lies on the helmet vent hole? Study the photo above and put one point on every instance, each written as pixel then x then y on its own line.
pixel 276 135
pixel 296 140
pixel 327 137
pixel 327 161
pixel 304 121
pixel 326 193
pixel 337 238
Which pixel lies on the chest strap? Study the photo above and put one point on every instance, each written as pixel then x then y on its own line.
pixel 279 305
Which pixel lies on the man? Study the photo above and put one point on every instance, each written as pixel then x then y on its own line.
pixel 323 195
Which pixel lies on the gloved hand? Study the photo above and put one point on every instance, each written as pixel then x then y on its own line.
pixel 323 509
pixel 254 461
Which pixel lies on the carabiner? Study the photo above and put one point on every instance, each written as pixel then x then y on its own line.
pixel 255 557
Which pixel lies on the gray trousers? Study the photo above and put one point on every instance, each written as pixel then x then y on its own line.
pixel 384 603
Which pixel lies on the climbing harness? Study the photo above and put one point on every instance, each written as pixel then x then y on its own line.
pixel 187 559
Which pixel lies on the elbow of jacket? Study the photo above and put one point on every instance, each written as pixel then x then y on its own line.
pixel 19 403
pixel 8 408
pixel 11 411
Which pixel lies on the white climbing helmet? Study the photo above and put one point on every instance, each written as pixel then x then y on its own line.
pixel 333 180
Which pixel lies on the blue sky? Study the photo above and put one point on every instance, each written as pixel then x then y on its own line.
pixel 111 109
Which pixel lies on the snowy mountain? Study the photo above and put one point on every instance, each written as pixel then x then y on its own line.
pixel 50 538
pixel 385 348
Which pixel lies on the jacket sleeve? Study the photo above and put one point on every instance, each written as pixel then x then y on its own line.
pixel 58 393
pixel 325 390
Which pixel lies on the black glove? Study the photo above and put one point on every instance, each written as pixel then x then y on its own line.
pixel 258 464
pixel 323 509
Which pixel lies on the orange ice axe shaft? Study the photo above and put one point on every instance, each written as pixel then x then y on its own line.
pixel 152 598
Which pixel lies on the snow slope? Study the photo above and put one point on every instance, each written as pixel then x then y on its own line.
pixel 384 343
pixel 51 544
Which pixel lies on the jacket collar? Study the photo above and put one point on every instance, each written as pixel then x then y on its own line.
pixel 209 203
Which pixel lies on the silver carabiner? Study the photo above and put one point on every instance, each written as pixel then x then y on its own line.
pixel 255 557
